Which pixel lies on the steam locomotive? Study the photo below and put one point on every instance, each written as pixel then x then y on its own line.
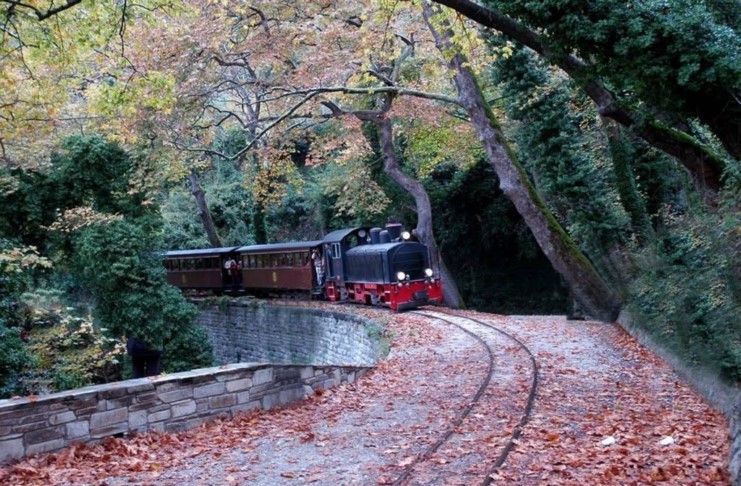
pixel 362 265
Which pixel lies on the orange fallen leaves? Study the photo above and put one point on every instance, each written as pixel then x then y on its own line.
pixel 613 388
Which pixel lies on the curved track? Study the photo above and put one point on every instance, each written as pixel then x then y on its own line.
pixel 505 395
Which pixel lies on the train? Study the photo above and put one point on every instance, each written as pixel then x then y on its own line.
pixel 365 265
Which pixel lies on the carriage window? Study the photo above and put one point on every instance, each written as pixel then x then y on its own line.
pixel 335 250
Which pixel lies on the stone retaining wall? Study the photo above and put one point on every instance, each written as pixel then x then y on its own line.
pixel 245 330
pixel 166 403
pixel 239 330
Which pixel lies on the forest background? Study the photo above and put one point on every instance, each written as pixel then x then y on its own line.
pixel 549 153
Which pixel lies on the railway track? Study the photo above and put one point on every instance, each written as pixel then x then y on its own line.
pixel 495 414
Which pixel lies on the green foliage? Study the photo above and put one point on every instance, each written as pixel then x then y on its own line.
pixel 188 349
pixel 70 352
pixel 91 171
pixel 560 144
pixel 296 218
pixel 492 254
pixel 14 358
pixel 16 266
pixel 687 293
pixel 181 227
pixel 672 54
pixel 88 178
pixel 350 195
pixel 29 202
pixel 118 264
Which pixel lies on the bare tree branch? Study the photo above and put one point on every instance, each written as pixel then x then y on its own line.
pixel 40 14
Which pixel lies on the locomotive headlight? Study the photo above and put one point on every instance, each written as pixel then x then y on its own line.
pixel 400 276
pixel 406 235
pixel 428 272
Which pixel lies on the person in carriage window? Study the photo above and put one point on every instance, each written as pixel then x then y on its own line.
pixel 318 262
pixel 230 270
pixel 236 271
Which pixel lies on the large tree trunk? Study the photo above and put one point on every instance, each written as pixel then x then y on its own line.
pixel 589 289
pixel 451 295
pixel 208 224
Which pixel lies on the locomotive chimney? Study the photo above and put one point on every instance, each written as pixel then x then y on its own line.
pixel 394 230
pixel 385 237
pixel 375 234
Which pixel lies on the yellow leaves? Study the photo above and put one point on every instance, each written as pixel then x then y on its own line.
pixel 354 191
pixel 270 182
pixel 433 143
pixel 76 218
pixel 15 260
pixel 152 91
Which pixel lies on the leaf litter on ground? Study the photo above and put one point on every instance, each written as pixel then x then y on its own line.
pixel 596 382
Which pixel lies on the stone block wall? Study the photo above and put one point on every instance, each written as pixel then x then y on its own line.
pixel 250 332
pixel 166 403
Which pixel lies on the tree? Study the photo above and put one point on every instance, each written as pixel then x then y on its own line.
pixel 424 228
pixel 50 54
pixel 589 288
pixel 16 264
pixel 670 36
pixel 561 143
pixel 116 262
pixel 200 196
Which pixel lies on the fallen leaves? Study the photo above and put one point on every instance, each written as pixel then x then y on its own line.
pixel 596 383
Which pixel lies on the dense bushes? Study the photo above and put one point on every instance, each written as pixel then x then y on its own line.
pixel 687 293
pixel 117 263
pixel 103 237
pixel 16 264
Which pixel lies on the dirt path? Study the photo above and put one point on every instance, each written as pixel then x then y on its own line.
pixel 604 413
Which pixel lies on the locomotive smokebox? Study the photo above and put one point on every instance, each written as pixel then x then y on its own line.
pixel 394 230
pixel 375 234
